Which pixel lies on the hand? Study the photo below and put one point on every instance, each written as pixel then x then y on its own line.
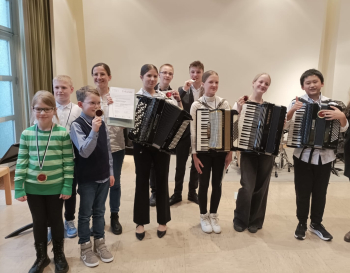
pixel 333 114
pixel 111 181
pixel 228 159
pixel 22 199
pixel 176 95
pixel 109 99
pixel 240 103
pixel 64 197
pixel 297 105
pixel 197 163
pixel 96 124
pixel 187 85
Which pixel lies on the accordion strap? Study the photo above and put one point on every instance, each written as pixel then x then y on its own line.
pixel 311 153
pixel 209 107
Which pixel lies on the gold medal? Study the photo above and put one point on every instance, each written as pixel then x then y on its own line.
pixel 41 177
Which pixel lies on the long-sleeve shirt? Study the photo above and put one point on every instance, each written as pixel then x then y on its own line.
pixel 212 102
pixel 157 94
pixel 58 164
pixel 67 114
pixel 326 155
pixel 86 145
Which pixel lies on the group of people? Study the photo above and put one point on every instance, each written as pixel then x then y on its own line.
pixel 48 172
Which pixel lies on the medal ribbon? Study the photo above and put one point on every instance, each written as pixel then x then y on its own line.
pixel 41 164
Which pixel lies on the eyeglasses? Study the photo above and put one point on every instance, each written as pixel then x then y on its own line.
pixel 46 110
pixel 91 103
pixel 167 73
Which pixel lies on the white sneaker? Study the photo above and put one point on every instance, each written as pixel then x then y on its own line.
pixel 205 223
pixel 214 220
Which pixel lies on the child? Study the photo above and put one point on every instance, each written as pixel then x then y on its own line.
pixel 44 175
pixel 312 167
pixel 67 112
pixel 255 172
pixel 94 174
pixel 210 161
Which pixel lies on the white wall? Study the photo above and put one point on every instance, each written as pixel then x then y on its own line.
pixel 236 38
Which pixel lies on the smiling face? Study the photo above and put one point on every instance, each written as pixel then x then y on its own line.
pixel 211 85
pixel 90 104
pixel 62 91
pixel 261 84
pixel 149 80
pixel 312 86
pixel 196 74
pixel 43 117
pixel 166 75
pixel 101 77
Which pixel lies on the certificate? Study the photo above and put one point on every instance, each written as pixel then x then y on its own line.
pixel 122 111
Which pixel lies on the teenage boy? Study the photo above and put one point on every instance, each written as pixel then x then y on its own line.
pixel 166 74
pixel 189 93
pixel 94 174
pixel 67 112
pixel 312 167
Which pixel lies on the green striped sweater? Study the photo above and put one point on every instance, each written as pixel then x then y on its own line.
pixel 58 166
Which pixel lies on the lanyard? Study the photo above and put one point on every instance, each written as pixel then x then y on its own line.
pixel 41 164
pixel 71 106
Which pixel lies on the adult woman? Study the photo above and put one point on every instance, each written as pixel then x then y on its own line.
pixel 210 161
pixel 101 75
pixel 255 172
pixel 143 158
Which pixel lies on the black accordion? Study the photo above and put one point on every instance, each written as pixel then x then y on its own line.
pixel 308 128
pixel 260 127
pixel 159 124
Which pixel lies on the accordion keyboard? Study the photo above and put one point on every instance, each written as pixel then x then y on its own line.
pixel 247 125
pixel 202 130
pixel 295 136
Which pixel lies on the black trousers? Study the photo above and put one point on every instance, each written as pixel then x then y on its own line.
pixel 44 209
pixel 214 163
pixel 152 179
pixel 70 204
pixel 143 158
pixel 252 197
pixel 311 180
pixel 182 152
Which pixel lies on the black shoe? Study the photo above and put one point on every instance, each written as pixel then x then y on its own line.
pixel 152 200
pixel 160 234
pixel 42 260
pixel 253 229
pixel 115 225
pixel 61 265
pixel 238 228
pixel 347 237
pixel 140 236
pixel 175 199
pixel 193 197
pixel 320 231
pixel 300 231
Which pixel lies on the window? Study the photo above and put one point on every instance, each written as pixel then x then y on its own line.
pixel 10 106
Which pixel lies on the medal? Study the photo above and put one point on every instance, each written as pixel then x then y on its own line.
pixel 41 177
pixel 99 113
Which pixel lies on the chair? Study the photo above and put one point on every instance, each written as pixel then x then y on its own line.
pixel 5 172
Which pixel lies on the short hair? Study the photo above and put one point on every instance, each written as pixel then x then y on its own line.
pixel 45 97
pixel 197 64
pixel 83 92
pixel 63 78
pixel 311 72
pixel 160 68
pixel 105 66
pixel 257 76
pixel 147 67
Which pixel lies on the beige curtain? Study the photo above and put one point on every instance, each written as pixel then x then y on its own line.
pixel 38 44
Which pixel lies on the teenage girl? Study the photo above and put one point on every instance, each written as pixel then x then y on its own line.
pixel 44 175
pixel 255 172
pixel 101 74
pixel 212 161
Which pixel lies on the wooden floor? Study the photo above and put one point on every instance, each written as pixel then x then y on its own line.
pixel 185 248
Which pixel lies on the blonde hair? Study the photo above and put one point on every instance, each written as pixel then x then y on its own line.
pixel 45 97
pixel 83 92
pixel 63 78
pixel 205 76
pixel 259 75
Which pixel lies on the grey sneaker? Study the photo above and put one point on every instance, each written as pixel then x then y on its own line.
pixel 101 250
pixel 86 254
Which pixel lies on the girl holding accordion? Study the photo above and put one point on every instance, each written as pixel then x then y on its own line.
pixel 255 172
pixel 211 161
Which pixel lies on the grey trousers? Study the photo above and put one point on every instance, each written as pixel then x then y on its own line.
pixel 252 197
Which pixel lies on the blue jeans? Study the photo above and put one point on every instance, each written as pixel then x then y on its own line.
pixel 114 194
pixel 92 201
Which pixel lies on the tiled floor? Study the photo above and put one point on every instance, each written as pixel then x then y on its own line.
pixel 185 248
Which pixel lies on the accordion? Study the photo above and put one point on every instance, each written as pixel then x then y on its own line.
pixel 159 124
pixel 308 127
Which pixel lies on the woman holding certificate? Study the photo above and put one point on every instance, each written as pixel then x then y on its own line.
pixel 101 75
